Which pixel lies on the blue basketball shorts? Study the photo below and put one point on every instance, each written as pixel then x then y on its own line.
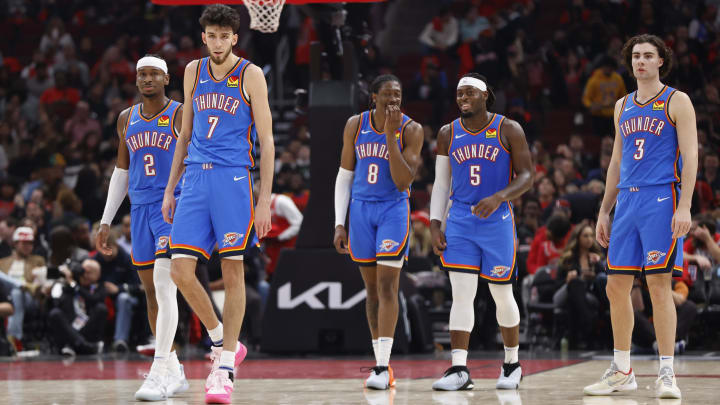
pixel 379 230
pixel 641 233
pixel 149 233
pixel 215 207
pixel 485 247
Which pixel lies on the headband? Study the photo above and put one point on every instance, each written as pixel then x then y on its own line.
pixel 471 81
pixel 152 61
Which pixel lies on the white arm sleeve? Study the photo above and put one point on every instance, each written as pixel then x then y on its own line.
pixel 116 194
pixel 441 188
pixel 343 185
pixel 286 208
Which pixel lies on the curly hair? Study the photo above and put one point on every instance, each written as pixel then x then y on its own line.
pixel 220 15
pixel 663 51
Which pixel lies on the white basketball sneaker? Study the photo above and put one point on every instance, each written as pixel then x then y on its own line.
pixel 176 382
pixel 613 380
pixel 379 379
pixel 510 376
pixel 154 388
pixel 666 385
pixel 456 378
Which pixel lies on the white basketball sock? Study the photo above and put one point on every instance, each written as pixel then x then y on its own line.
pixel 216 335
pixel 459 357
pixel 375 350
pixel 159 365
pixel 227 360
pixel 667 361
pixel 173 363
pixel 511 354
pixel 384 349
pixel 622 360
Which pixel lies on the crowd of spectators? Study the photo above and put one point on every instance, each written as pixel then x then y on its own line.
pixel 67 70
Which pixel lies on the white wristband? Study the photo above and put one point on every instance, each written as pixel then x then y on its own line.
pixel 116 194
pixel 441 188
pixel 343 186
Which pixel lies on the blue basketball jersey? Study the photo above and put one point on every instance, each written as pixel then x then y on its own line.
pixel 373 181
pixel 223 126
pixel 650 153
pixel 151 144
pixel 480 164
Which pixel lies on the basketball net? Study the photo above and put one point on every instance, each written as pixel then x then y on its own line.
pixel 264 14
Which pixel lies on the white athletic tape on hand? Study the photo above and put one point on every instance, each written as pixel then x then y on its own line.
pixel 471 81
pixel 152 61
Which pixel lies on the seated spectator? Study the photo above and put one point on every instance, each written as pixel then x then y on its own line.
pixel 441 33
pixel 582 282
pixel 286 220
pixel 602 90
pixel 529 220
pixel 125 241
pixel 121 281
pixel 21 273
pixel 546 247
pixel 420 240
pixel 63 249
pixel 546 192
pixel 643 336
pixel 6 310
pixel 79 315
pixel 7 228
pixel 60 100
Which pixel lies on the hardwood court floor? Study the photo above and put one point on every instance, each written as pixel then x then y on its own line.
pixel 340 382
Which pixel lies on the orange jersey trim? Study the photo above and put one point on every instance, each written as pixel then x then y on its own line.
pixel 483 128
pixel 651 100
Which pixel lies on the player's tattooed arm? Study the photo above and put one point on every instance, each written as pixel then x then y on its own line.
pixel 168 206
pixel 512 135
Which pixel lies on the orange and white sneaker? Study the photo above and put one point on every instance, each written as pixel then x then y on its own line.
pixel 381 378
pixel 613 380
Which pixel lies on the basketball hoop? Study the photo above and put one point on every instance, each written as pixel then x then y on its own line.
pixel 264 14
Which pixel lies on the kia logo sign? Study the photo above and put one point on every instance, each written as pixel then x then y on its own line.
pixel 309 297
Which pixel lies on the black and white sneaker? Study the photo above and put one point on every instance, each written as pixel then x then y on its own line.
pixel 510 376
pixel 456 378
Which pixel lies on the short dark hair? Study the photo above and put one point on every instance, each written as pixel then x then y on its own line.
pixel 382 79
pixel 220 15
pixel 663 51
pixel 491 95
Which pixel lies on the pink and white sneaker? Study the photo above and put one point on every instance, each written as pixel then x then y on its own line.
pixel 221 388
pixel 240 354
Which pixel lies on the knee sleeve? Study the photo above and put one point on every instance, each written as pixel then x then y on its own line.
pixel 392 263
pixel 462 312
pixel 166 296
pixel 508 314
pixel 181 256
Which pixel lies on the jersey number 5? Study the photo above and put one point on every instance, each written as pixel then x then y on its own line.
pixel 639 142
pixel 475 175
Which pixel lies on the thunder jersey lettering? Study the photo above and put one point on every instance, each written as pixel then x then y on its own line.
pixel 650 153
pixel 480 164
pixel 223 126
pixel 151 144
pixel 373 181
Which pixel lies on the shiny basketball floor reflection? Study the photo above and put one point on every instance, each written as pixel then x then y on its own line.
pixel 699 380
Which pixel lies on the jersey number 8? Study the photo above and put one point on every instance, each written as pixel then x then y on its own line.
pixel 372 173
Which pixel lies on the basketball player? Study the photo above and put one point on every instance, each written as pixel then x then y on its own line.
pixel 229 110
pixel 479 152
pixel 380 155
pixel 654 130
pixel 148 132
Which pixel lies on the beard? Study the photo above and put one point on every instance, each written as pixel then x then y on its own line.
pixel 468 114
pixel 220 60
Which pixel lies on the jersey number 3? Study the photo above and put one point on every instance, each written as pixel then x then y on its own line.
pixel 639 143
